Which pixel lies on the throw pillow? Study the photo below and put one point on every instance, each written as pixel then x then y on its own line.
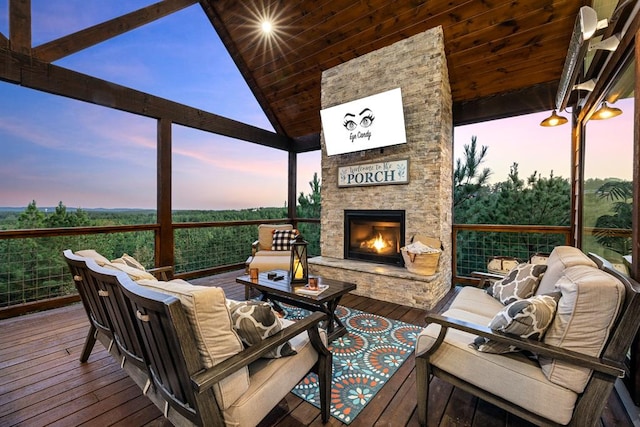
pixel 92 254
pixel 130 261
pixel 527 318
pixel 520 283
pixel 282 239
pixel 255 321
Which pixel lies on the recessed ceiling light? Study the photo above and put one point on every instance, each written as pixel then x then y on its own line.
pixel 266 27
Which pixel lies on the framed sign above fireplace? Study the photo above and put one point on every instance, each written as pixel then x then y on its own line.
pixel 383 173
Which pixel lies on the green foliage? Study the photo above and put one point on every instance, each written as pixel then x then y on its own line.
pixel 309 207
pixel 514 201
pixel 468 180
pixel 33 268
pixel 607 226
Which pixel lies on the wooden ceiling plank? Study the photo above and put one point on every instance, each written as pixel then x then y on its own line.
pixel 333 41
pixel 475 54
pixel 363 30
pixel 53 79
pixel 313 32
pixel 72 43
pixel 20 26
pixel 291 20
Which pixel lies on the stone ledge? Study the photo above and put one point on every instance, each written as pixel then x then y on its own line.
pixel 385 283
pixel 368 267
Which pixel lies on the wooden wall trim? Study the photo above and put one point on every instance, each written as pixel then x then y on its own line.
pixel 72 43
pixel 35 74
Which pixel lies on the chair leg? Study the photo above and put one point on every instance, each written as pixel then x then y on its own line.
pixel 325 368
pixel 422 388
pixel 88 344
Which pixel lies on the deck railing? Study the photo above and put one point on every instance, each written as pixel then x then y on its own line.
pixel 474 245
pixel 33 274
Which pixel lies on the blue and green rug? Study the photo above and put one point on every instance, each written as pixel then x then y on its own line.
pixel 364 359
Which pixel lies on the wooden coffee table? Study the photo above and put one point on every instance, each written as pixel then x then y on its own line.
pixel 283 291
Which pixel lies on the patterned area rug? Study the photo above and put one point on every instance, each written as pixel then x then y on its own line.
pixel 364 359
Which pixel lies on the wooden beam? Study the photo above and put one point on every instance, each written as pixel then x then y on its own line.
pixel 306 143
pixel 35 74
pixel 292 201
pixel 64 46
pixel 531 100
pixel 20 25
pixel 4 42
pixel 164 255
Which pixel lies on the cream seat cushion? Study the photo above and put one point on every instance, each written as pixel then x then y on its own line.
pixel 215 337
pixel 271 381
pixel 511 376
pixel 476 300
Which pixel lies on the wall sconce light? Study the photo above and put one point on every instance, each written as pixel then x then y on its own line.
pixel 589 85
pixel 554 120
pixel 605 112
pixel 609 44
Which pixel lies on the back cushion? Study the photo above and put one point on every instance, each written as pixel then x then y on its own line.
pixel 561 257
pixel 587 310
pixel 210 321
pixel 265 234
pixel 92 254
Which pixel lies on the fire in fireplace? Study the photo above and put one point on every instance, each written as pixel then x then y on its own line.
pixel 374 235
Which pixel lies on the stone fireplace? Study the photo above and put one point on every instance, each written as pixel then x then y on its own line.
pixel 417 66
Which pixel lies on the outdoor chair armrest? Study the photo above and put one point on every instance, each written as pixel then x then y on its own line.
pixel 485 278
pixel 203 380
pixel 162 273
pixel 255 247
pixel 605 366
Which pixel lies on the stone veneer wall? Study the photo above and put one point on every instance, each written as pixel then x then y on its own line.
pixel 418 66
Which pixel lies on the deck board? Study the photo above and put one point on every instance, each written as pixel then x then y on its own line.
pixel 43 383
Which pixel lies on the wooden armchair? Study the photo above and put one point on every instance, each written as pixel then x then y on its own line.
pixel 165 337
pixel 102 306
pixel 535 390
pixel 93 304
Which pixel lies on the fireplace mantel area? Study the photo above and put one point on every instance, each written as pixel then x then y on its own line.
pixel 418 67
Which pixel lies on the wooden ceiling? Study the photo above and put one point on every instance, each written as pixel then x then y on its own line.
pixel 505 57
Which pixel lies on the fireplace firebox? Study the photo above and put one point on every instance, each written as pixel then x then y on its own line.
pixel 374 235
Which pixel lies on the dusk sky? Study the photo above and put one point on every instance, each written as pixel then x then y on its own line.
pixel 57 149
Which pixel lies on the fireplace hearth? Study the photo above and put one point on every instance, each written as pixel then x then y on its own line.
pixel 374 235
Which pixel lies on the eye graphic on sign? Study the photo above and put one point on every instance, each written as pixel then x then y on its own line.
pixel 364 119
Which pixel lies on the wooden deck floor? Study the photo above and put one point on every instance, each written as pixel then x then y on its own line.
pixel 43 383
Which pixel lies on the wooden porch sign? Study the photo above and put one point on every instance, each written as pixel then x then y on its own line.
pixel 383 173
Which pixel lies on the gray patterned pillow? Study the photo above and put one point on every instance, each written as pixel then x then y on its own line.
pixel 255 321
pixel 527 318
pixel 520 283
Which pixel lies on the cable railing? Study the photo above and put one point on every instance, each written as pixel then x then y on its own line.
pixel 33 274
pixel 474 245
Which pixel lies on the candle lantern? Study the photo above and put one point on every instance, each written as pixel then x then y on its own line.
pixel 298 265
